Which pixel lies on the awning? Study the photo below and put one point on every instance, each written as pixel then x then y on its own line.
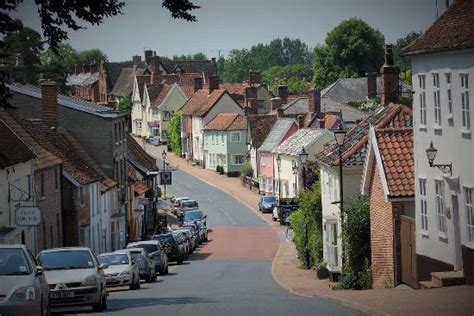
pixel 140 188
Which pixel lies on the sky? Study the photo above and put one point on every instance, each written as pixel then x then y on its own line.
pixel 226 24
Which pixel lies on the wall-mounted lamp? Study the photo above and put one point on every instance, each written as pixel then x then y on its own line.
pixel 431 155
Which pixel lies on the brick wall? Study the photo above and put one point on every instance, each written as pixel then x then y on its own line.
pixel 74 214
pixel 50 232
pixel 381 235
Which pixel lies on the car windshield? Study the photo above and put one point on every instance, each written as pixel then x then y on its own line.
pixel 192 215
pixel 269 199
pixel 66 259
pixel 13 262
pixel 189 204
pixel 148 247
pixel 113 259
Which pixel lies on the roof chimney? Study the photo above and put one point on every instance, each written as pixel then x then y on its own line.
pixel 301 120
pixel 137 59
pixel 390 78
pixel 198 83
pixel 49 99
pixel 283 94
pixel 250 93
pixel 213 83
pixel 255 77
pixel 314 101
pixel 213 60
pixel 252 106
pixel 280 112
pixel 371 85
pixel 148 55
pixel 276 103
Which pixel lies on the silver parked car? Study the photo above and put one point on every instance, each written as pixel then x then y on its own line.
pixel 75 277
pixel 23 287
pixel 155 252
pixel 122 269
pixel 146 265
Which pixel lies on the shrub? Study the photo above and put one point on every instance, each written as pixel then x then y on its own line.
pixel 356 273
pixel 174 133
pixel 246 171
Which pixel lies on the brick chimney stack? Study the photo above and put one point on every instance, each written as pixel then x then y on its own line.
pixel 255 77
pixel 276 103
pixel 314 101
pixel 214 63
pixel 213 83
pixel 371 85
pixel 137 59
pixel 301 119
pixel 390 78
pixel 49 99
pixel 283 94
pixel 198 83
pixel 252 105
pixel 250 93
pixel 280 112
pixel 148 55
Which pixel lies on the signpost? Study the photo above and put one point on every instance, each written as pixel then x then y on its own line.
pixel 165 178
pixel 27 216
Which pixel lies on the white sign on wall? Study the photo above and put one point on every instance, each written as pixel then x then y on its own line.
pixel 27 216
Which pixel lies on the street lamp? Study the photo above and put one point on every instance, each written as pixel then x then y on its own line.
pixel 278 160
pixel 295 173
pixel 304 158
pixel 163 155
pixel 431 155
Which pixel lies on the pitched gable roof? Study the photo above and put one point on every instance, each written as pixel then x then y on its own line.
pixel 45 159
pixel 124 85
pixel 12 149
pixel 301 138
pixel 159 94
pixel 277 133
pixel 355 144
pixel 202 102
pixel 138 155
pixel 206 67
pixel 453 30
pixel 227 122
pixel 259 126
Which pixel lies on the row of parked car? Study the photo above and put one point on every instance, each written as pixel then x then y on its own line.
pixel 76 277
pixel 280 208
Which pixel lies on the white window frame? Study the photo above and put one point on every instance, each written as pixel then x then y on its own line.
pixel 234 161
pixel 422 85
pixel 332 244
pixel 423 206
pixel 449 94
pixel 469 206
pixel 232 134
pixel 436 99
pixel 138 124
pixel 465 107
pixel 439 202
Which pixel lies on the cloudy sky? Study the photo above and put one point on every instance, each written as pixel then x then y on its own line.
pixel 227 24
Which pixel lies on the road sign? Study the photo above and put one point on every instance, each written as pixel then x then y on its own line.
pixel 165 178
pixel 27 216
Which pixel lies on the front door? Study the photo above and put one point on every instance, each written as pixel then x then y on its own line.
pixel 457 233
pixel 331 245
pixel 408 251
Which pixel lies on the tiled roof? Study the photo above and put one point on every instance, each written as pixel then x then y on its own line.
pixel 396 151
pixel 141 81
pixel 453 30
pixel 82 79
pixel 303 137
pixel 113 70
pixel 227 122
pixel 136 152
pixel 45 158
pixel 201 66
pixel 159 94
pixel 201 102
pixel 12 149
pixel 140 188
pixel 355 144
pixel 259 127
pixel 124 85
pixel 70 102
pixel 277 133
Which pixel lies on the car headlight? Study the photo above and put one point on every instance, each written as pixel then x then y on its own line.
pixel 24 294
pixel 90 280
pixel 125 273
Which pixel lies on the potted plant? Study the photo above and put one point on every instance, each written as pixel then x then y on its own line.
pixel 221 171
pixel 218 169
pixel 321 270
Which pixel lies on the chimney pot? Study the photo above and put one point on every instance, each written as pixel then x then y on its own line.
pixel 283 94
pixel 390 79
pixel 148 55
pixel 137 59
pixel 213 83
pixel 49 101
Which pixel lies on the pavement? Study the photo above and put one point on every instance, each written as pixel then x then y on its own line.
pixel 458 300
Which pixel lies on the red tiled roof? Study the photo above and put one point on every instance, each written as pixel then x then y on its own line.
pixel 397 154
pixel 140 155
pixel 45 158
pixel 140 188
pixel 158 99
pixel 12 149
pixel 453 30
pixel 201 102
pixel 227 122
pixel 259 127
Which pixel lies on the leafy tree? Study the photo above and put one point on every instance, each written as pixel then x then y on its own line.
pixel 174 133
pixel 351 49
pixel 403 62
pixel 25 42
pixel 193 57
pixel 125 105
pixel 246 170
pixel 89 56
pixel 297 77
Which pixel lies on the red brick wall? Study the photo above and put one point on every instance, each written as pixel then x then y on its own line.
pixel 381 235
pixel 51 210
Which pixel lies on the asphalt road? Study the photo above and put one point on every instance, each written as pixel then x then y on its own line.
pixel 231 275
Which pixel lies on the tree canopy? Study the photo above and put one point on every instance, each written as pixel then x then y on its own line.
pixel 297 77
pixel 351 49
pixel 403 62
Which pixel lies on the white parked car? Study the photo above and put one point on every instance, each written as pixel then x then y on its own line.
pixel 75 277
pixel 122 269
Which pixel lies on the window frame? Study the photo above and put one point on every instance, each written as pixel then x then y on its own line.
pixel 422 86
pixel 423 206
pixel 469 208
pixel 465 106
pixel 436 99
pixel 234 162
pixel 440 208
pixel 232 134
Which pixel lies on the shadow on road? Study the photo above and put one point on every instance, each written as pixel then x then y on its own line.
pixel 199 256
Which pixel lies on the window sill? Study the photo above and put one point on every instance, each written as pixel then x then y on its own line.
pixel 424 233
pixel 442 236
pixel 437 128
pixel 450 117
pixel 465 131
pixel 423 128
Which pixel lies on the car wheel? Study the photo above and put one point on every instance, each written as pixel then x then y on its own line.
pixel 132 285
pixel 180 261
pixel 45 312
pixel 138 285
pixel 102 305
pixel 274 219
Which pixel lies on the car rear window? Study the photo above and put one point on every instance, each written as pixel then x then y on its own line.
pixel 148 247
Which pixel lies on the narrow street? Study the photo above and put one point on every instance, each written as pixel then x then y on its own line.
pixel 231 275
